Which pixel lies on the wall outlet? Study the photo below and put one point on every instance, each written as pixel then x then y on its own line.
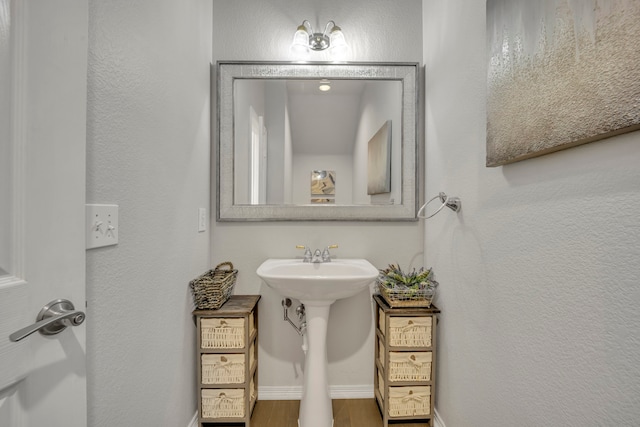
pixel 202 220
pixel 101 225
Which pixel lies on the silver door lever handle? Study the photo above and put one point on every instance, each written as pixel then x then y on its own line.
pixel 52 319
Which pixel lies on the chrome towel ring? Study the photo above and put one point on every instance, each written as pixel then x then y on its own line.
pixel 453 203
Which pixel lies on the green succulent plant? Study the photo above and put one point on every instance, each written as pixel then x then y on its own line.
pixel 394 277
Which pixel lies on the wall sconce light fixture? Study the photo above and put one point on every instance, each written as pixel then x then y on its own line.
pixel 305 40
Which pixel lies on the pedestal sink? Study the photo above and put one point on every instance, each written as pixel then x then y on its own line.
pixel 317 286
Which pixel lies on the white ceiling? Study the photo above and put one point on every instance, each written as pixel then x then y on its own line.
pixel 324 122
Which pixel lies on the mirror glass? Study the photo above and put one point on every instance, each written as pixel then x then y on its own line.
pixel 316 141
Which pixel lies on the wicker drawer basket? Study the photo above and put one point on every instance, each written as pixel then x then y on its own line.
pixel 253 390
pixel 381 384
pixel 223 368
pixel 410 331
pixel 220 332
pixel 414 366
pixel 409 401
pixel 381 352
pixel 381 321
pixel 223 403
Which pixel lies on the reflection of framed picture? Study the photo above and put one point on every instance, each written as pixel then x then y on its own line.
pixel 323 183
pixel 322 201
pixel 379 165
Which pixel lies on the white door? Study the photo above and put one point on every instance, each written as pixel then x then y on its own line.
pixel 43 95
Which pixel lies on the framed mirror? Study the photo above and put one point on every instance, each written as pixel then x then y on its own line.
pixel 317 141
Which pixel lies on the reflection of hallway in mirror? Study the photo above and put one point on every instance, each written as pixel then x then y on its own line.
pixel 311 130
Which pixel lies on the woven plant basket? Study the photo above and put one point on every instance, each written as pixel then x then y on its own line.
pixel 213 288
pixel 400 297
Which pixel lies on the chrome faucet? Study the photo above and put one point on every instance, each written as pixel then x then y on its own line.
pixel 317 255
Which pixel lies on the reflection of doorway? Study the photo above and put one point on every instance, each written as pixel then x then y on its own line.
pixel 258 159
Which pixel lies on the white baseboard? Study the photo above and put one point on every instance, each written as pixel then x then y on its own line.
pixel 194 420
pixel 335 391
pixel 351 391
pixel 437 421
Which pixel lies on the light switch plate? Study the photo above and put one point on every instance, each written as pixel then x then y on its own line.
pixel 202 219
pixel 101 225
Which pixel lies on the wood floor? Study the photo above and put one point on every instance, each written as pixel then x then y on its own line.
pixel 346 413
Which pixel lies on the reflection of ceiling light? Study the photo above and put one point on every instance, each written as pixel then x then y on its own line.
pixel 306 39
pixel 325 85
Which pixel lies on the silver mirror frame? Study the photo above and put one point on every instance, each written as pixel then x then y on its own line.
pixel 406 73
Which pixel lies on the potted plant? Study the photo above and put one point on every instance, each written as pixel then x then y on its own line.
pixel 415 288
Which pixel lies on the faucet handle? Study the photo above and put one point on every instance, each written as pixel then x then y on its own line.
pixel 326 256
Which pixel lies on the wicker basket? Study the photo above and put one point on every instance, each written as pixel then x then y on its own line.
pixel 223 403
pixel 253 390
pixel 381 351
pixel 223 368
pixel 414 366
pixel 222 332
pixel 410 331
pixel 409 401
pixel 380 383
pixel 398 297
pixel 213 288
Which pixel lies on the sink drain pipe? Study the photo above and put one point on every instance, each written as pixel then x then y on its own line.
pixel 302 329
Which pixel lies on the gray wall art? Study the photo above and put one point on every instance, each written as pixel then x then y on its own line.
pixel 560 73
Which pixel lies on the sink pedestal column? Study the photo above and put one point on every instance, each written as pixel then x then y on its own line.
pixel 315 406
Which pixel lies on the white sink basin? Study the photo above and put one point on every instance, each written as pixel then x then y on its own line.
pixel 317 286
pixel 327 281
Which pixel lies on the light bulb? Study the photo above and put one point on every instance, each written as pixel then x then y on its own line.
pixel 325 85
pixel 339 47
pixel 300 45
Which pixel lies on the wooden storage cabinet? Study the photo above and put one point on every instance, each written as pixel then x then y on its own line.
pixel 405 350
pixel 227 358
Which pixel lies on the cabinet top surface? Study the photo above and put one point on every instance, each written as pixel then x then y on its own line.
pixel 236 305
pixel 405 310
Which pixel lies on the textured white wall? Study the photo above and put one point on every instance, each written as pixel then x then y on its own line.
pixel 379 103
pixel 377 30
pixel 148 151
pixel 539 280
